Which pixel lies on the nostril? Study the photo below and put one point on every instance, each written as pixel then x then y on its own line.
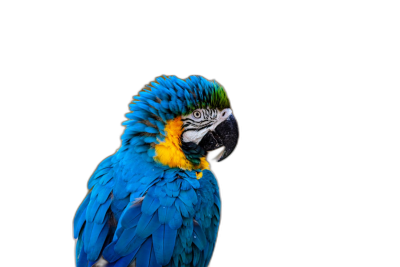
pixel 223 113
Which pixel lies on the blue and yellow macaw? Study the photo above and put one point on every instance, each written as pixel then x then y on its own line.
pixel 155 201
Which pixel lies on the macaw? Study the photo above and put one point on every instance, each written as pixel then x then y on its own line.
pixel 155 202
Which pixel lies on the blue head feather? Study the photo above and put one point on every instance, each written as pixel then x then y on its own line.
pixel 164 99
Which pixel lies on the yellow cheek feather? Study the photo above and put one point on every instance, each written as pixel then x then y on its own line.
pixel 170 153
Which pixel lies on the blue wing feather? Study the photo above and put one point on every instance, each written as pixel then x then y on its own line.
pixel 153 259
pixel 101 213
pixel 79 220
pixel 144 253
pixel 110 254
pixel 97 245
pixel 150 205
pixel 125 261
pixel 82 260
pixel 147 225
pixel 199 238
pixel 131 214
pixel 124 240
pixel 175 224
pixel 164 243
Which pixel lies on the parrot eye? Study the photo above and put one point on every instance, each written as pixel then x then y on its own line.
pixel 197 114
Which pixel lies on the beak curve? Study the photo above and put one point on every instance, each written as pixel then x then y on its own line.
pixel 225 134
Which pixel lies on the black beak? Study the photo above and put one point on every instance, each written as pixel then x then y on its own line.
pixel 226 134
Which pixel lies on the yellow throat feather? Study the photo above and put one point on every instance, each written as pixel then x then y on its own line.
pixel 170 153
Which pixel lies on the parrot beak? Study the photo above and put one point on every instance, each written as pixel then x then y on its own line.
pixel 225 134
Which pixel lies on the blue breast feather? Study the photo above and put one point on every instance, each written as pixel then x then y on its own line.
pixel 148 213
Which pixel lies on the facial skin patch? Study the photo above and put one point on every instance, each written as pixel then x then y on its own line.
pixel 201 121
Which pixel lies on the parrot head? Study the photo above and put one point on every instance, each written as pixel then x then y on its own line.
pixel 175 122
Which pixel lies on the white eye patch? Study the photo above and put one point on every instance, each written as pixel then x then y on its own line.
pixel 200 121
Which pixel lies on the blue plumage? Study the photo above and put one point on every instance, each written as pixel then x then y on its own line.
pixel 144 253
pixel 140 210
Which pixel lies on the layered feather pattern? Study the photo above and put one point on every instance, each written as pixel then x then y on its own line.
pixel 143 212
pixel 166 216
